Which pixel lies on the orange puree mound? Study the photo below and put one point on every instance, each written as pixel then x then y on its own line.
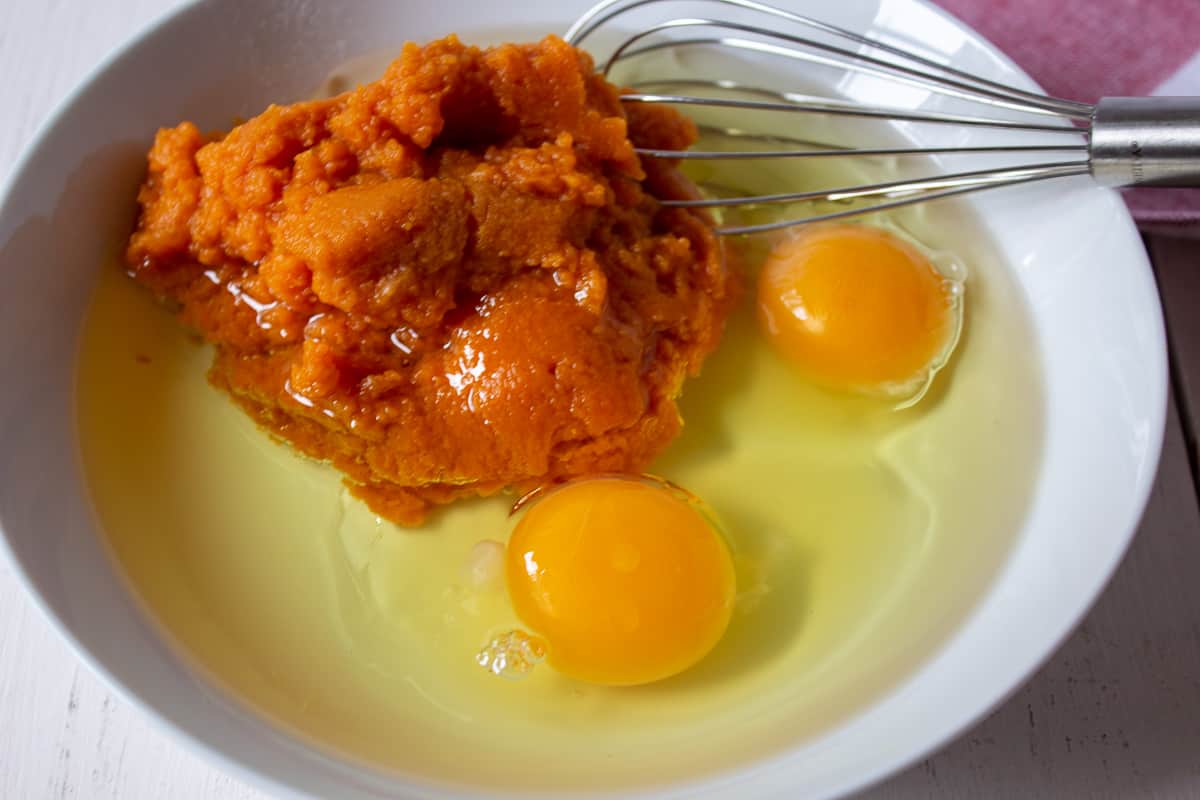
pixel 452 280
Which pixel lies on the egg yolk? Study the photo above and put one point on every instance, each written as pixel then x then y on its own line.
pixel 858 309
pixel 626 580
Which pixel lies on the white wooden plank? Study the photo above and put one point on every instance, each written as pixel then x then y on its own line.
pixel 1177 266
pixel 63 735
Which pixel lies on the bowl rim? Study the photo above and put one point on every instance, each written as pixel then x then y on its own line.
pixel 716 783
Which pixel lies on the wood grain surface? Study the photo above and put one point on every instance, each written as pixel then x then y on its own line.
pixel 1115 713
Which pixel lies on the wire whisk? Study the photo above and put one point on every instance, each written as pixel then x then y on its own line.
pixel 1119 141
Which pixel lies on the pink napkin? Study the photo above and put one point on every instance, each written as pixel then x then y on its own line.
pixel 1087 49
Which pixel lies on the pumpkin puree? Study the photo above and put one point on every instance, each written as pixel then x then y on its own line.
pixel 450 281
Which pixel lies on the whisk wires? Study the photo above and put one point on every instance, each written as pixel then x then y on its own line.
pixel 780 33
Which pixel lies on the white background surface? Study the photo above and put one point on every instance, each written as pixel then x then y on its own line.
pixel 1115 714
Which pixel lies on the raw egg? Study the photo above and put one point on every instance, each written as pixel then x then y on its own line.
pixel 625 579
pixel 860 309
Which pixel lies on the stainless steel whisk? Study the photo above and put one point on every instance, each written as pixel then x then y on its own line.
pixel 1119 141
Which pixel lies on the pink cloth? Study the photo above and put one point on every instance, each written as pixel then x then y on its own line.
pixel 1087 49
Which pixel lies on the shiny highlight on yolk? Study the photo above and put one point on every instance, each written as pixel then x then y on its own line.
pixel 626 580
pixel 858 308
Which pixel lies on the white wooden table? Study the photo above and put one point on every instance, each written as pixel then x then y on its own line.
pixel 1116 713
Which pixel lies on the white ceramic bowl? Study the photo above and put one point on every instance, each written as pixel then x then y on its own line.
pixel 1073 248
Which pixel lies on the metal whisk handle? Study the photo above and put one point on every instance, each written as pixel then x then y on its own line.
pixel 1146 141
